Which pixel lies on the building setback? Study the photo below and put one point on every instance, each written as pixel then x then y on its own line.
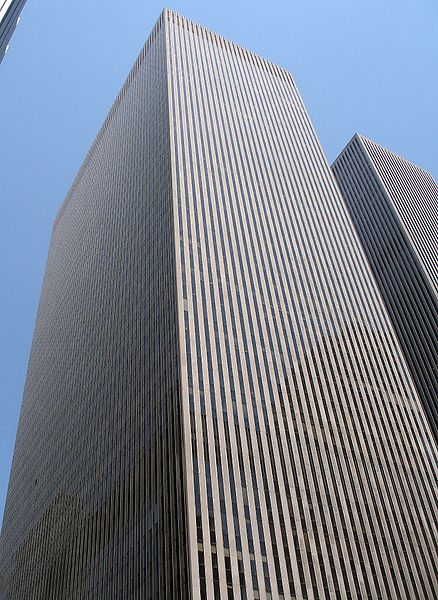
pixel 394 207
pixel 9 16
pixel 216 405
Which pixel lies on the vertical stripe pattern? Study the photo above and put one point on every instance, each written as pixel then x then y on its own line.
pixel 216 405
pixel 95 505
pixel 394 207
pixel 306 472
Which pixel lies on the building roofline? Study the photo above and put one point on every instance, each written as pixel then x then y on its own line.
pixel 168 13
pixel 361 138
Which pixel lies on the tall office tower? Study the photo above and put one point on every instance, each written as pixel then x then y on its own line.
pixel 216 405
pixel 9 16
pixel 394 207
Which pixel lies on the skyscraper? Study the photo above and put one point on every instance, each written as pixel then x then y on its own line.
pixel 216 405
pixel 394 207
pixel 9 16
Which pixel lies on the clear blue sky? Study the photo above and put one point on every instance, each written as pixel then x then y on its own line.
pixel 361 65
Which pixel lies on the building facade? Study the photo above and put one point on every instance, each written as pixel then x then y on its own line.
pixel 394 207
pixel 9 16
pixel 216 405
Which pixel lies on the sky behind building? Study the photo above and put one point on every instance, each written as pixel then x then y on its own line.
pixel 360 66
pixel 215 403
